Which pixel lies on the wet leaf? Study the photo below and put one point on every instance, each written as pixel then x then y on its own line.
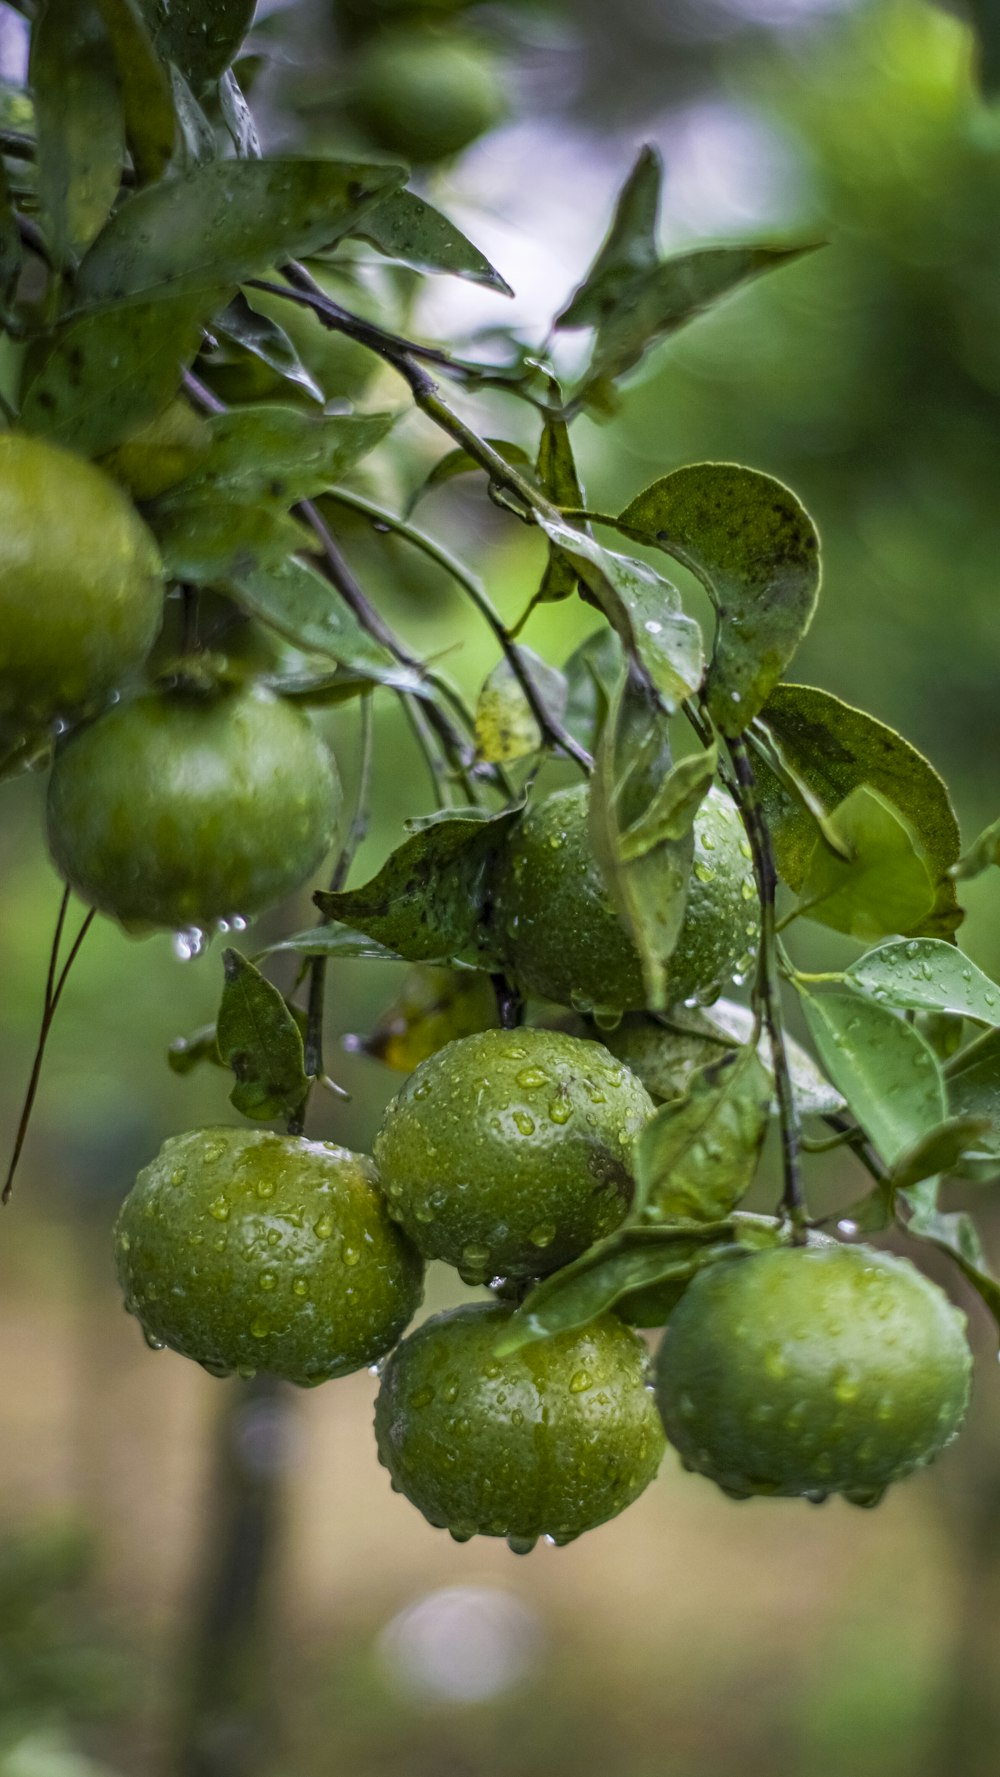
pixel 303 607
pixel 670 813
pixel 889 1075
pixel 269 452
pixel 213 543
pixel 557 475
pixel 224 222
pixel 643 607
pixel 81 131
pixel 238 118
pixel 927 975
pixel 956 1235
pixel 629 251
pixel 428 901
pixel 108 374
pixel 147 96
pixel 755 550
pixel 940 1151
pixel 506 729
pixel 260 1040
pixel 650 890
pixel 11 254
pixel 406 228
pixel 982 853
pixel 458 462
pixel 697 1156
pixel 434 1006
pixel 658 302
pixel 835 748
pixel 632 1259
pixel 333 941
pixel 264 339
pixel 201 36
pixel 884 885
pixel 664 1052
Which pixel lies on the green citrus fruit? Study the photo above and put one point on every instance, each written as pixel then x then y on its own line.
pixel 812 1370
pixel 81 585
pixel 251 1251
pixel 186 807
pixel 509 1152
pixel 425 94
pixel 551 1440
pixel 563 938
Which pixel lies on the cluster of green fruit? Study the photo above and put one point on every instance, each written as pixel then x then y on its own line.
pixel 203 799
pixel 800 1370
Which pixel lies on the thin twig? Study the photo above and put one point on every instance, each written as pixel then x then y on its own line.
pixel 550 726
pixel 54 985
pixel 767 986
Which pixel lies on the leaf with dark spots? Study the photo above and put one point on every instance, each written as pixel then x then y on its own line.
pixel 260 1040
pixel 430 900
pixel 756 552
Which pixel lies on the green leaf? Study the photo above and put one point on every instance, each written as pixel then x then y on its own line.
pixel 108 374
pixel 263 338
pixel 664 1052
pixel 198 143
pixel 982 853
pixel 755 550
pixel 303 607
pixel 592 674
pixel 213 543
pixel 406 228
pixel 834 748
pixel 333 941
pixel 766 747
pixel 427 902
pixel 650 890
pixel 506 729
pixel 269 452
pixel 956 1235
pixel 185 1053
pixel 11 254
pixel 260 1040
pixel 458 462
pixel 238 118
pixel 927 975
pixel 201 36
pixel 889 1075
pixel 658 302
pixel 940 1151
pixel 434 1006
pixel 885 884
pixel 671 812
pixel 643 607
pixel 697 1156
pixel 632 1259
pixel 78 112
pixel 973 1082
pixel 629 251
pixel 556 473
pixel 224 222
pixel 147 96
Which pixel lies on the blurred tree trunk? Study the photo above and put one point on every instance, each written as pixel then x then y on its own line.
pixel 228 1718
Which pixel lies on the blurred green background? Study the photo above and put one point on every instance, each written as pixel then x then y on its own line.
pixel 692 1637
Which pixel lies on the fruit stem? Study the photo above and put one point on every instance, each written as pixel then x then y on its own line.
pixel 553 730
pixel 54 984
pixel 767 984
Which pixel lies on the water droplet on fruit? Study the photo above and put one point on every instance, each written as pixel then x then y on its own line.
pixel 188 943
pixel 532 1076
pixel 543 1234
pixel 268 1280
pixel 560 1110
pixel 524 1123
pixel 350 1256
pixel 323 1227
pixel 523 1545
pixel 421 1397
pixel 299 1287
pixel 154 1343
pixel 259 1328
pixel 476 1258
pixel 219 1209
pixel 580 1381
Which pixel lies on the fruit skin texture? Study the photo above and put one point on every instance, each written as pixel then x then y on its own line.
pixel 248 1251
pixel 812 1370
pixel 562 935
pixel 509 1152
pixel 81 585
pixel 425 95
pixel 549 1441
pixel 181 808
